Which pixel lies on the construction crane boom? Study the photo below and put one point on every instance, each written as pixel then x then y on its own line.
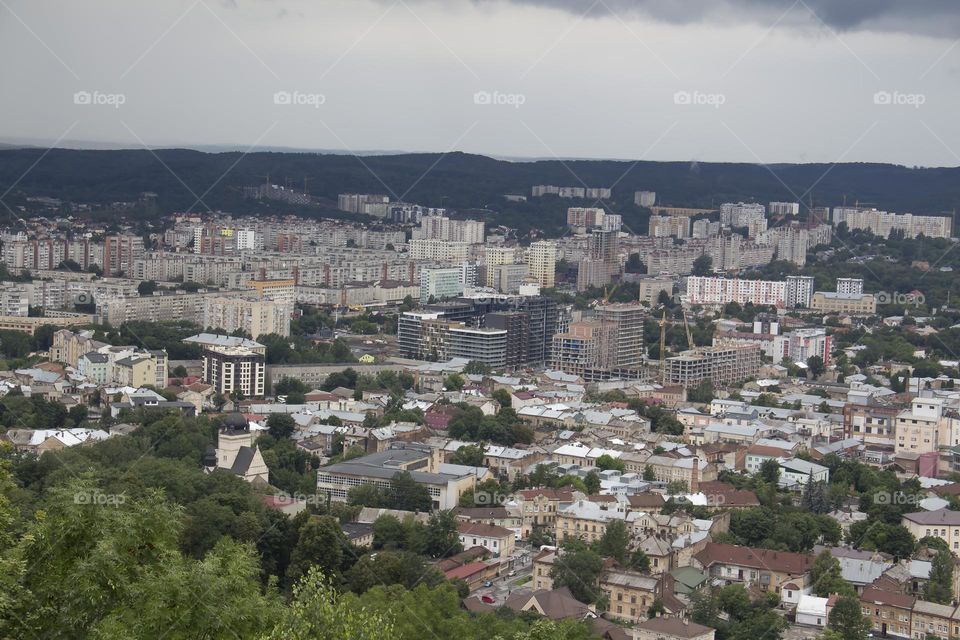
pixel 686 325
pixel 663 346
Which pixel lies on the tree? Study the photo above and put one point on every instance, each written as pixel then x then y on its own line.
pixel 770 471
pixel 318 612
pixel 648 473
pixel 939 587
pixel 503 397
pixel 606 461
pixel 280 425
pixel 675 487
pixel 592 482
pixel 815 366
pixel 826 578
pixel 846 618
pixel 470 455
pixel 180 371
pixel 442 537
pixel 703 392
pixel 320 544
pixel 639 561
pixel 388 533
pixel 408 494
pixel 614 541
pixel 454 382
pixel 477 368
pixel 146 287
pixel 703 265
pixel 580 571
pixel 734 600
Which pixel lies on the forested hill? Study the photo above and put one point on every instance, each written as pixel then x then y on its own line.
pixel 460 181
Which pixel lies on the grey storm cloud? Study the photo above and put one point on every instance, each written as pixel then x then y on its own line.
pixel 938 18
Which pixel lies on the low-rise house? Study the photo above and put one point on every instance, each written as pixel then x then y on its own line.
pixel 39 441
pixel 795 473
pixel 887 612
pixel 539 508
pixel 764 569
pixel 358 533
pixel 498 516
pixel 585 520
pixel 813 611
pixel 932 619
pixel 497 540
pixel 672 629
pixel 630 593
pixel 556 604
pixel 942 523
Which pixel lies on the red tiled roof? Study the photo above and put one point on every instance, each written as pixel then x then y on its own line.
pixel 465 571
pixel 781 561
pixel 891 598
pixel 483 530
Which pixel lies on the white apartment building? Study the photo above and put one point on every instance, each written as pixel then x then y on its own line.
pixel 644 198
pixel 439 250
pixel 739 214
pixel 710 290
pixel 849 286
pixel 666 226
pixel 252 315
pixel 784 208
pixel 799 291
pixel 542 262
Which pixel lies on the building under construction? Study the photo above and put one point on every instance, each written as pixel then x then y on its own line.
pixel 721 365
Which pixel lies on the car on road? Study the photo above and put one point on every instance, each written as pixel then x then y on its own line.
pixel 487 599
pixel 488 584
pixel 512 573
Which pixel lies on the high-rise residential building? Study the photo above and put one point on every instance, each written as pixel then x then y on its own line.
pixel 710 290
pixel 355 202
pixel 849 286
pixel 445 282
pixel 542 261
pixel 517 326
pixel 792 245
pixel 438 227
pixel 582 349
pixel 739 214
pixel 249 240
pixel 669 226
pixel 883 223
pixel 439 250
pixel 507 278
pixel 119 253
pixel 918 429
pixel 626 323
pixel 704 228
pixel 800 345
pixel 586 217
pixel 251 315
pixel 798 291
pixel 493 256
pixel 784 208
pixel 644 198
pixel 720 364
pixel 483 344
pixel 233 364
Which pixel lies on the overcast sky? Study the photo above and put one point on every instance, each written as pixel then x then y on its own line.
pixel 710 80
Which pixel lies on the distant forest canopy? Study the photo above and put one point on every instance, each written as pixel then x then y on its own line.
pixel 468 184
